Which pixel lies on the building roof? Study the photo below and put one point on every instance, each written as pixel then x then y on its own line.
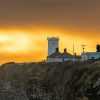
pixel 57 54
pixel 52 38
pixel 54 55
pixel 91 53
pixel 65 55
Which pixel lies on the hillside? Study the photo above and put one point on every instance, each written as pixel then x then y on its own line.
pixel 50 81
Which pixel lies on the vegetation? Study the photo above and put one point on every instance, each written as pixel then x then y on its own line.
pixel 98 48
pixel 50 81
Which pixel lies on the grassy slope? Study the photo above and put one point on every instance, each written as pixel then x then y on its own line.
pixel 72 80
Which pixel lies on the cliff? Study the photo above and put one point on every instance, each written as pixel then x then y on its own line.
pixel 50 81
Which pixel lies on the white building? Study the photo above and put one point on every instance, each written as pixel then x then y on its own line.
pixel 59 57
pixel 55 56
pixel 90 55
pixel 53 43
pixel 62 57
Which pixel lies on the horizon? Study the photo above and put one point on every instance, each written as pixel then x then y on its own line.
pixel 26 24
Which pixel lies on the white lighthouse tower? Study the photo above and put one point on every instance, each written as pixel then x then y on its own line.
pixel 53 43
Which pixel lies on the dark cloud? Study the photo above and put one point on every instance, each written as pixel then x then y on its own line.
pixel 81 15
pixel 60 13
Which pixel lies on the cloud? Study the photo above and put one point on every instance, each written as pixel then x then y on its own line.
pixel 25 25
pixel 16 42
pixel 27 13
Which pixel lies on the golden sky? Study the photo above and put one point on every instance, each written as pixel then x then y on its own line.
pixel 26 24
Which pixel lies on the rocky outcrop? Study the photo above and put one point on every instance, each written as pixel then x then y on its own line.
pixel 50 81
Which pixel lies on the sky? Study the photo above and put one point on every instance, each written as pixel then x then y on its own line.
pixel 26 24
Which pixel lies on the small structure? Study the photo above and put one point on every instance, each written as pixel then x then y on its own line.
pixel 62 57
pixel 90 55
pixel 65 56
pixel 59 57
pixel 54 56
pixel 53 43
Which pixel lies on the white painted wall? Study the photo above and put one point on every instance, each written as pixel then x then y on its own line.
pixel 59 59
pixel 53 43
pixel 90 55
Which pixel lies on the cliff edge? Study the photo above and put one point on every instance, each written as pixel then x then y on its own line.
pixel 50 81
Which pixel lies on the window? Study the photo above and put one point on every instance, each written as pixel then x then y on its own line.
pixel 92 57
pixel 53 43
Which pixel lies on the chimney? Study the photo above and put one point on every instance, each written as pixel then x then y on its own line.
pixel 57 49
pixel 75 54
pixel 65 50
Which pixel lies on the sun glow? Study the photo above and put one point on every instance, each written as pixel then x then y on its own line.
pixel 16 42
pixel 3 38
pixel 26 45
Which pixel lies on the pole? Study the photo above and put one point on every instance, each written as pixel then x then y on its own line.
pixel 83 47
pixel 73 51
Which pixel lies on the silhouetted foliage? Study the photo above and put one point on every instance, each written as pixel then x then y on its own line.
pixel 98 48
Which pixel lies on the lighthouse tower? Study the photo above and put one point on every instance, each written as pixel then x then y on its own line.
pixel 53 43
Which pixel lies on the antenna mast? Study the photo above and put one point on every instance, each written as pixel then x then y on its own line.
pixel 83 47
pixel 73 52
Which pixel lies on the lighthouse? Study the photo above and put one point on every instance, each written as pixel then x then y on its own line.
pixel 53 44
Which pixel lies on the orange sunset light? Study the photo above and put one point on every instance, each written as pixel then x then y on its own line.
pixel 26 45
pixel 26 24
